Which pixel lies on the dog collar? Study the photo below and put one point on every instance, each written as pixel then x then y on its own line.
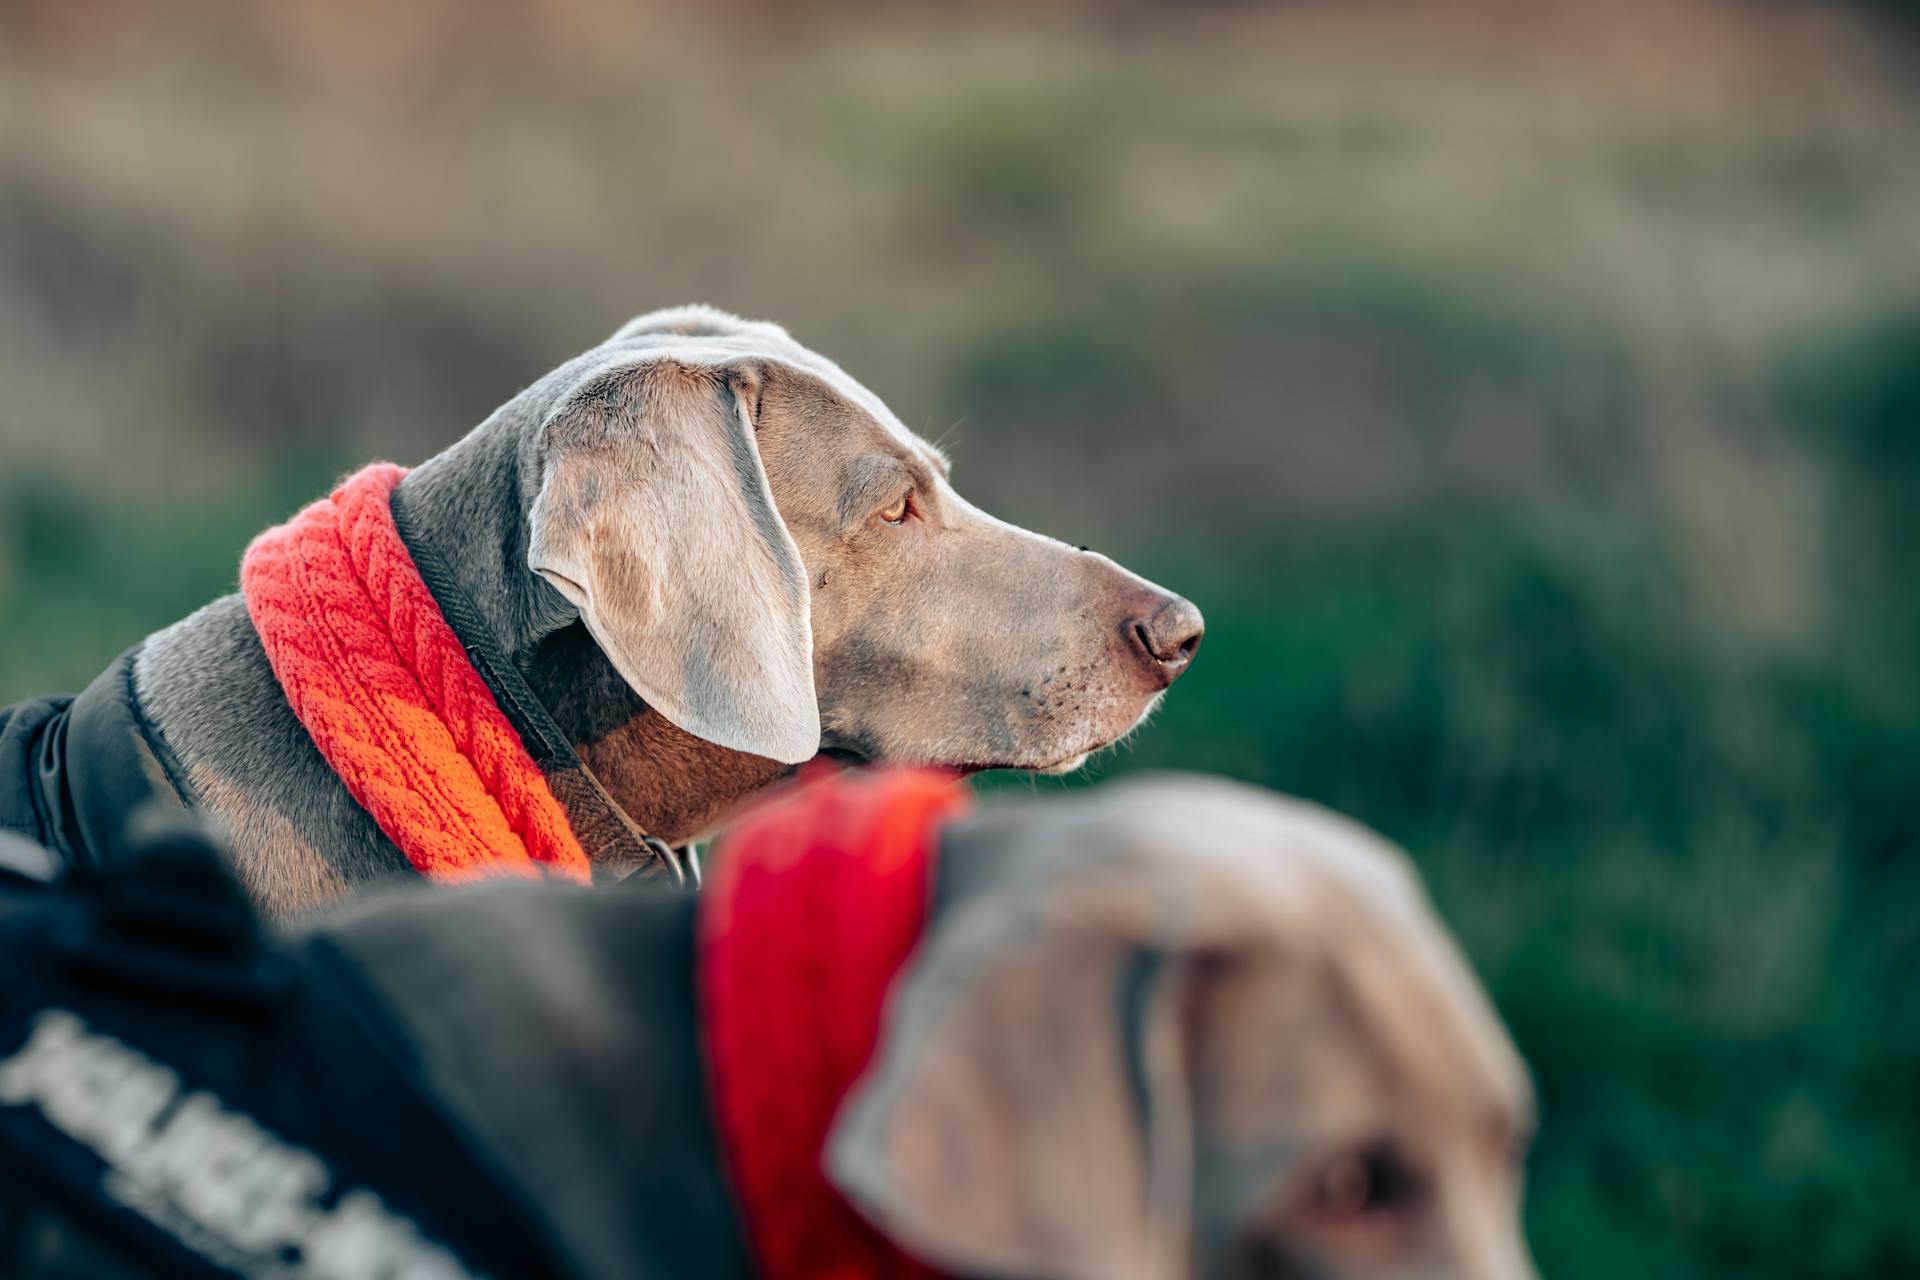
pixel 816 902
pixel 431 729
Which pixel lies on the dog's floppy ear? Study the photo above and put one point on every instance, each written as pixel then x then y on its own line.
pixel 654 518
pixel 1029 1111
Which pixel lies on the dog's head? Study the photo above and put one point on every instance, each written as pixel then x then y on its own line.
pixel 1186 1028
pixel 775 564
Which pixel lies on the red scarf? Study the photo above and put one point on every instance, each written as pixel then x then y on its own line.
pixel 387 692
pixel 815 903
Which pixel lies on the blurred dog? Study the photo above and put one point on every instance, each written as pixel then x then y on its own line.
pixel 1162 1028
pixel 682 562
pixel 1166 1028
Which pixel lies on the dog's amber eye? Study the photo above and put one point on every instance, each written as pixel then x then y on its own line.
pixel 1346 1186
pixel 897 513
pixel 1371 1180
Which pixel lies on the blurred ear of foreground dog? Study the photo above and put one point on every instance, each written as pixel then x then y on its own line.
pixel 1163 1028
pixel 680 564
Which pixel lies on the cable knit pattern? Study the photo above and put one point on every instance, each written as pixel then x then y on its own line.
pixel 815 903
pixel 386 691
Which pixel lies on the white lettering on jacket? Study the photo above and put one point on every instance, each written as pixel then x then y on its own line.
pixel 210 1176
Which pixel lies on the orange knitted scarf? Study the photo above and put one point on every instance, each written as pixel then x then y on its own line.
pixel 385 689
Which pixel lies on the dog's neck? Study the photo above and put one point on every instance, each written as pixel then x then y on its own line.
pixel 472 500
pixel 299 838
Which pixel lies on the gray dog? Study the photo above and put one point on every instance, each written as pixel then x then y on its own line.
pixel 700 554
pixel 1166 1029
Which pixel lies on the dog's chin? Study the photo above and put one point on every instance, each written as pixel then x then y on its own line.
pixel 858 760
pixel 1077 761
pixel 1070 765
pixel 1059 768
pixel 850 756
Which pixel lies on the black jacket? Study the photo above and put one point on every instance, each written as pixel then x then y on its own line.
pixel 72 768
pixel 184 1094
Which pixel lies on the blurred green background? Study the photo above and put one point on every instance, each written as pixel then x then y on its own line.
pixel 1528 392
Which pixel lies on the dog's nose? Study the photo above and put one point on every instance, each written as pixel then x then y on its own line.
pixel 1167 638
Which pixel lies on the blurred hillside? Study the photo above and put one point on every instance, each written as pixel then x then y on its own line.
pixel 1529 393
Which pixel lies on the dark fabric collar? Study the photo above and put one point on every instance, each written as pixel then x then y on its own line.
pixel 605 832
pixel 72 770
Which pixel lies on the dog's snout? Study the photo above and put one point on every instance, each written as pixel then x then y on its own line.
pixel 1167 637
